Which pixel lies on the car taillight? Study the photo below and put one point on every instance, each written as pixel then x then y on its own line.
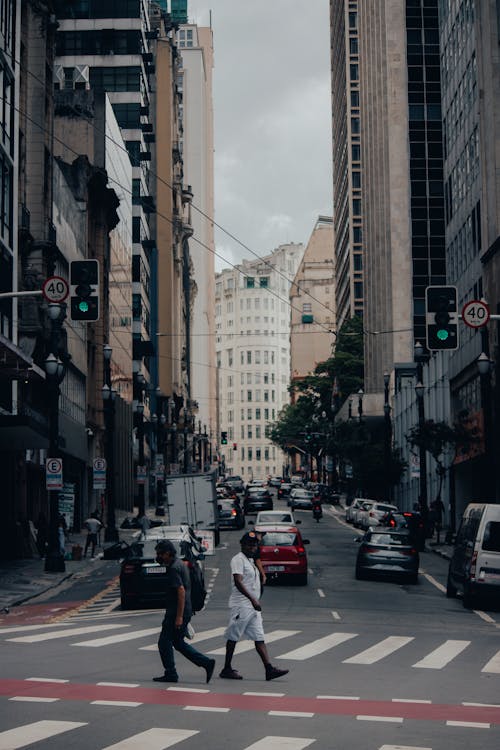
pixel 372 514
pixel 128 569
pixel 409 552
pixel 233 512
pixel 370 549
pixel 473 565
pixel 301 551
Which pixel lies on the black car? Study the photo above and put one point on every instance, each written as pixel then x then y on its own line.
pixel 387 552
pixel 257 499
pixel 230 514
pixel 142 579
pixel 284 489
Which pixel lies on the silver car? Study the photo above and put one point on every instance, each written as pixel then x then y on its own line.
pixel 350 511
pixel 374 514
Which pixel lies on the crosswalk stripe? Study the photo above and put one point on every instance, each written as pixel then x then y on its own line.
pixel 153 739
pixel 24 735
pixel 281 743
pixel 53 634
pixel 203 635
pixel 26 628
pixel 442 655
pixel 379 650
pixel 493 665
pixel 403 747
pixel 317 647
pixel 275 635
pixel 117 638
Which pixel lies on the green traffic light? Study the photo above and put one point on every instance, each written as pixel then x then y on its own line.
pixel 83 306
pixel 442 334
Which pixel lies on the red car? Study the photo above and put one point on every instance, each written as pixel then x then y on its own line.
pixel 283 553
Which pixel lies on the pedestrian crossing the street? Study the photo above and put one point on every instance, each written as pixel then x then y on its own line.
pixel 153 738
pixel 290 645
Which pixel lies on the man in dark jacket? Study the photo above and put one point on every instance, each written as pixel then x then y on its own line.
pixel 177 616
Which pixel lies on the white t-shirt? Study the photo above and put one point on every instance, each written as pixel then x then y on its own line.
pixel 245 567
pixel 93 525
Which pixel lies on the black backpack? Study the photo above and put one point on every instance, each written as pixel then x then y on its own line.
pixel 198 591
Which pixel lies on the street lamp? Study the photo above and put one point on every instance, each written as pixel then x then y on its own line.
pixel 108 401
pixel 387 435
pixel 55 371
pixel 141 507
pixel 419 357
pixel 360 404
pixel 484 366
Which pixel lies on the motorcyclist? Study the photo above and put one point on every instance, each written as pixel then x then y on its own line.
pixel 317 509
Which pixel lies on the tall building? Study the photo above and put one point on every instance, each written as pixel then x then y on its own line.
pixel 194 82
pixel 347 165
pixel 402 191
pixel 312 303
pixel 252 325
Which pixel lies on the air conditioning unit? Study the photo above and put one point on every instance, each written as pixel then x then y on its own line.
pixel 81 77
pixel 59 77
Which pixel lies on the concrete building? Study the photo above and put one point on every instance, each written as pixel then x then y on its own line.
pixel 312 302
pixel 252 325
pixel 346 152
pixel 194 81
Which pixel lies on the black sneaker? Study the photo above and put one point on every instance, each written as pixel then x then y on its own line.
pixel 273 672
pixel 209 669
pixel 166 678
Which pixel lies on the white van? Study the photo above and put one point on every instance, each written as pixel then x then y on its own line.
pixel 475 564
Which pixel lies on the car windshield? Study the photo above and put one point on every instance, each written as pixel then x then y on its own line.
pixel 275 517
pixel 304 494
pixel 399 540
pixel 279 539
pixel 226 505
pixel 147 549
pixel 385 508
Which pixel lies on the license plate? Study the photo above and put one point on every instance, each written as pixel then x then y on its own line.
pixel 275 568
pixel 156 569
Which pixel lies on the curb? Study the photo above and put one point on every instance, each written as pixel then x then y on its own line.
pixel 25 599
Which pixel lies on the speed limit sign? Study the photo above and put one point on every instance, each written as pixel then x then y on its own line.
pixel 55 289
pixel 475 313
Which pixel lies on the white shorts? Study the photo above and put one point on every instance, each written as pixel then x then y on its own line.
pixel 244 624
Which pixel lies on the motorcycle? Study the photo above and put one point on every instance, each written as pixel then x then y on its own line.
pixel 317 512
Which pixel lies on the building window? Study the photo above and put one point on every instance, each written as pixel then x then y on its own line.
pixel 249 395
pixel 264 281
pixel 306 307
pixel 257 413
pixel 249 358
pixel 249 282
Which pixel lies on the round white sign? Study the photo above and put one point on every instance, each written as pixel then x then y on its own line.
pixel 55 289
pixel 54 465
pixel 99 464
pixel 475 313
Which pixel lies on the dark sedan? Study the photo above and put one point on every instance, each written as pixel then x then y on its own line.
pixel 257 499
pixel 284 489
pixel 387 552
pixel 230 514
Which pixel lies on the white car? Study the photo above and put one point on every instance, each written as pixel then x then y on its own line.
pixel 351 510
pixel 374 516
pixel 271 517
pixel 360 513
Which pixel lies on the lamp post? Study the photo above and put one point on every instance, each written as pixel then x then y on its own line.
pixel 55 371
pixel 419 356
pixel 360 404
pixel 140 462
pixel 484 365
pixel 108 401
pixel 387 436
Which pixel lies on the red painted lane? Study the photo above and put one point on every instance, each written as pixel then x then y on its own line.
pixel 36 614
pixel 162 697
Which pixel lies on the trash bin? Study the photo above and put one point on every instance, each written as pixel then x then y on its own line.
pixel 76 552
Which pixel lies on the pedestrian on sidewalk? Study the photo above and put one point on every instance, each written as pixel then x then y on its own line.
pixel 437 508
pixel 245 620
pixel 145 524
pixel 92 525
pixel 177 616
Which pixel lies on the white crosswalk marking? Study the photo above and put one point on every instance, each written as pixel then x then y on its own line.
pixel 403 747
pixel 153 739
pixel 39 730
pixel 281 743
pixel 317 647
pixel 493 665
pixel 442 655
pixel 117 638
pixel 53 634
pixel 25 628
pixel 274 635
pixel 203 635
pixel 379 650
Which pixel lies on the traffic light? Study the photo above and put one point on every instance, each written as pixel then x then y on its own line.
pixel 223 438
pixel 235 446
pixel 84 290
pixel 441 317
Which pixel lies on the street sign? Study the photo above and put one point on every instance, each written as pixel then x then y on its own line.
pixel 207 539
pixel 476 313
pixel 99 473
pixel 53 473
pixel 55 289
pixel 141 475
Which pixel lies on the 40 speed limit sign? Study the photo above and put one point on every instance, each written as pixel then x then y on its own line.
pixel 55 289
pixel 475 313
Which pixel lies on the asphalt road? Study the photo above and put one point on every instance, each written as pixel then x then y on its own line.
pixel 374 665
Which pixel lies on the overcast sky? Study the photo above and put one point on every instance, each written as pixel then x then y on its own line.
pixel 272 120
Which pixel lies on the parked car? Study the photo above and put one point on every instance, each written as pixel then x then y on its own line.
pixel 350 511
pixel 275 516
pixel 474 569
pixel 282 552
pixel 231 515
pixel 142 579
pixel 274 481
pixel 360 513
pixel 257 499
pixel 284 489
pixel 300 499
pixel 375 514
pixel 387 552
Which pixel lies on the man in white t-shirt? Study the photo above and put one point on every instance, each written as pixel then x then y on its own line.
pixel 93 526
pixel 245 619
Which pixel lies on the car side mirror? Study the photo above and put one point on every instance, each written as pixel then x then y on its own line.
pixel 298 521
pixel 358 539
pixel 250 523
